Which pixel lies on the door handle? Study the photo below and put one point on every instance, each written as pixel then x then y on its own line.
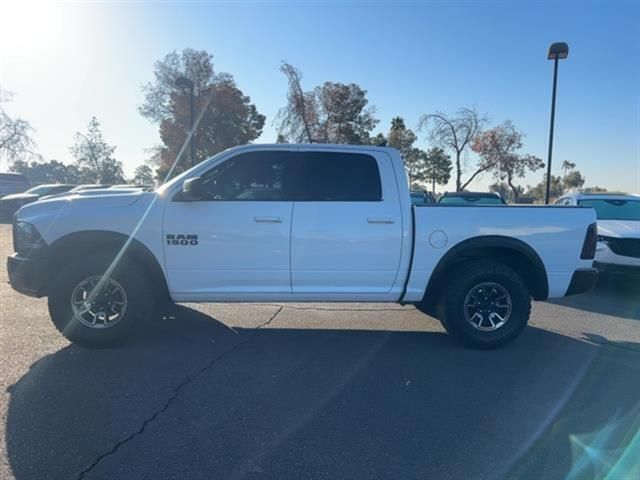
pixel 267 219
pixel 380 220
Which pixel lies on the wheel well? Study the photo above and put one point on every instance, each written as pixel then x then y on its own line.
pixel 72 246
pixel 511 252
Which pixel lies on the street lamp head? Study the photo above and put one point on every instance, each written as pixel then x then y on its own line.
pixel 558 50
pixel 184 82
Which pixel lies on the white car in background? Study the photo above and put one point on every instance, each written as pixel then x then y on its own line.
pixel 618 217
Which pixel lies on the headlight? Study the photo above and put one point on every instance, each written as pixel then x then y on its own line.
pixel 26 237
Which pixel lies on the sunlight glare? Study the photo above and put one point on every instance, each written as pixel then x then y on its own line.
pixel 30 28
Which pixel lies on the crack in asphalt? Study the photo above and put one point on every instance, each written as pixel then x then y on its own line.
pixel 327 309
pixel 172 397
pixel 176 391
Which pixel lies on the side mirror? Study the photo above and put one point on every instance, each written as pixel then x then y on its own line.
pixel 192 190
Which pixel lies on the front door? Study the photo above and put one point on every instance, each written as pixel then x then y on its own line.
pixel 234 243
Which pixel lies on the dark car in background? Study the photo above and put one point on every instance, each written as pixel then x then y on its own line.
pixel 421 198
pixel 10 204
pixel 468 199
pixel 13 183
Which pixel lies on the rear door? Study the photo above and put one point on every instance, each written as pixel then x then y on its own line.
pixel 347 225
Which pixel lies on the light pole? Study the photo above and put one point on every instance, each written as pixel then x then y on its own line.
pixel 557 51
pixel 184 82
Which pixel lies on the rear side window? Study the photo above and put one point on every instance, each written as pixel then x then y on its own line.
pixel 337 177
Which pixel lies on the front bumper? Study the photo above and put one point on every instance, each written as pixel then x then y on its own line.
pixel 583 280
pixel 27 275
pixel 605 256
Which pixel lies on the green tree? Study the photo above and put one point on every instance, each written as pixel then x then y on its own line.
pixel 143 175
pixel 330 113
pixel 400 137
pixel 94 157
pixel 501 188
pixel 595 189
pixel 414 164
pixel 573 180
pixel 438 167
pixel 52 171
pixel 556 188
pixel 498 149
pixel 226 115
pixel 567 167
pixel 505 191
pixel 455 133
pixel 379 140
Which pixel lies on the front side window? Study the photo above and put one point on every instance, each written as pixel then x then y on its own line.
pixel 337 177
pixel 614 209
pixel 250 176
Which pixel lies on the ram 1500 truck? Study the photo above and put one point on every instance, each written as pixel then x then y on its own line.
pixel 296 223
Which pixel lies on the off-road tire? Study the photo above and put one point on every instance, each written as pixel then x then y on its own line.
pixel 134 281
pixel 461 281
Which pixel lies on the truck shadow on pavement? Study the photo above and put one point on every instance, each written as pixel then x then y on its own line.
pixel 617 296
pixel 195 399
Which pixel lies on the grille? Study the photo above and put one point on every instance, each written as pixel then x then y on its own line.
pixel 627 247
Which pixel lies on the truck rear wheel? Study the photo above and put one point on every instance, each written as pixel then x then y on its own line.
pixel 485 304
pixel 95 306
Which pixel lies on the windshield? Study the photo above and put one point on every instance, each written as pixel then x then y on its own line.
pixel 614 209
pixel 469 200
pixel 41 189
pixel 179 178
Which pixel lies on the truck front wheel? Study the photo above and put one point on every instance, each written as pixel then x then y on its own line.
pixel 485 304
pixel 96 305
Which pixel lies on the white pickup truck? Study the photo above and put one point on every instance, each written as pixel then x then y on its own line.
pixel 296 223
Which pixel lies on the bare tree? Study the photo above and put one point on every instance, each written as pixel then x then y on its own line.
pixel 498 150
pixel 297 119
pixel 455 132
pixel 15 134
pixel 331 113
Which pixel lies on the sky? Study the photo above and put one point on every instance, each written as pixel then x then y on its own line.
pixel 66 62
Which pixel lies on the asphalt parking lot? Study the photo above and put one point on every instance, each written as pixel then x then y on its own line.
pixel 323 392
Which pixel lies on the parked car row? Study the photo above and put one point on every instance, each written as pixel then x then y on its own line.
pixel 13 183
pixel 618 218
pixel 10 203
pixel 468 199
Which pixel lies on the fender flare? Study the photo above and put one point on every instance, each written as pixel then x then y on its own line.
pixel 111 241
pixel 478 247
